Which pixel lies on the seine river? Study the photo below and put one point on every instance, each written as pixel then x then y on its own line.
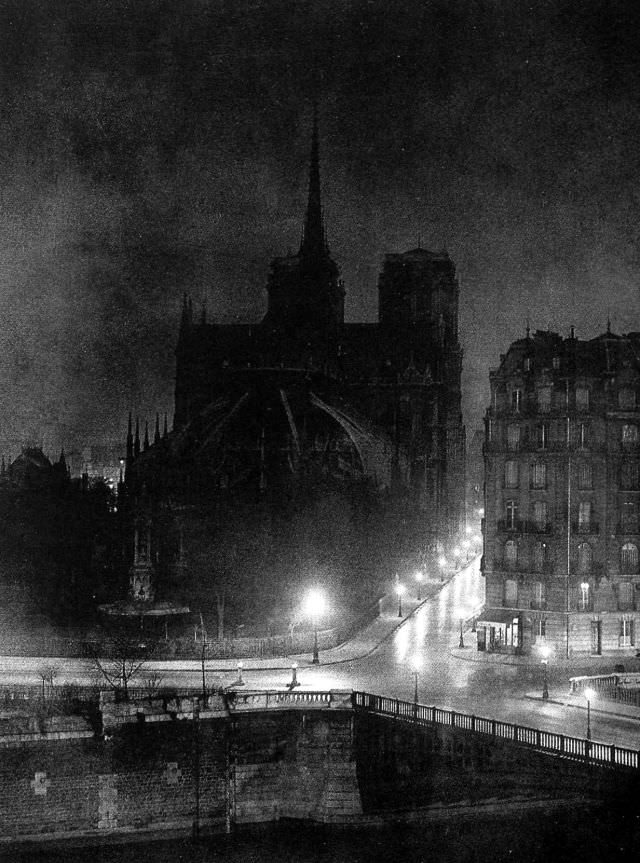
pixel 552 836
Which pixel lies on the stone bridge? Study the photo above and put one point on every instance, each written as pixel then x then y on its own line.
pixel 184 761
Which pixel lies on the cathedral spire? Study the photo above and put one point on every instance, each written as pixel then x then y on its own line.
pixel 313 238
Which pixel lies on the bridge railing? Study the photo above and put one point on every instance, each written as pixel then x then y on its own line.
pixel 577 748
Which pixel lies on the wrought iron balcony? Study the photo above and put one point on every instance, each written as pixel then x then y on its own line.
pixel 585 527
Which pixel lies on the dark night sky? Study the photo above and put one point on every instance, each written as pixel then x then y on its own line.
pixel 149 148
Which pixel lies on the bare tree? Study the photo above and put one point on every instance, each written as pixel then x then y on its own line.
pixel 120 656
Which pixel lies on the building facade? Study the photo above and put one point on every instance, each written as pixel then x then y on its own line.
pixel 301 398
pixel 562 496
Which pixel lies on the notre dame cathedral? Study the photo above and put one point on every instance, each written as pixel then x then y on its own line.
pixel 303 445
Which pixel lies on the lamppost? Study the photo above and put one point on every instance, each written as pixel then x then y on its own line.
pixel 294 676
pixel 461 642
pixel 418 577
pixel 589 693
pixel 545 650
pixel 399 591
pixel 204 680
pixel 315 608
pixel 240 680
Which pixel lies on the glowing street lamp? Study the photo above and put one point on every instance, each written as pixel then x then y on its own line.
pixel 589 693
pixel 400 588
pixel 545 650
pixel 418 577
pixel 442 563
pixel 315 607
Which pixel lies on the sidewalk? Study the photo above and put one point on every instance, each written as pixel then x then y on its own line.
pixel 560 695
pixel 358 647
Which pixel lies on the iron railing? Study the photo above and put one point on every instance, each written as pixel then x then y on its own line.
pixel 575 748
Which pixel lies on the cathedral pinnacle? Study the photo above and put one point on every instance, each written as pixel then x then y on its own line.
pixel 313 242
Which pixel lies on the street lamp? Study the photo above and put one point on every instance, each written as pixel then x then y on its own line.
pixel 314 607
pixel 589 693
pixel 545 650
pixel 399 591
pixel 461 642
pixel 418 577
pixel 240 680
pixel 294 676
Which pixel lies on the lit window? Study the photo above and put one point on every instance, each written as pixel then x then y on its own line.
pixel 582 398
pixel 511 593
pixel 629 516
pixel 583 602
pixel 629 434
pixel 538 594
pixel 583 435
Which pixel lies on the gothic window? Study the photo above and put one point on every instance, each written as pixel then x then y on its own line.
pixel 539 474
pixel 626 399
pixel 629 558
pixel 511 593
pixel 582 399
pixel 540 514
pixel 510 554
pixel 629 434
pixel 585 558
pixel 585 475
pixel 511 474
pixel 511 512
pixel 544 399
pixel 513 436
pixel 629 475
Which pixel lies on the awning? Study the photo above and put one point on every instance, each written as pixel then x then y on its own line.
pixel 497 617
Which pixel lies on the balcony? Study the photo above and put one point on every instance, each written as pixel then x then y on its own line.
pixel 524 526
pixel 538 605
